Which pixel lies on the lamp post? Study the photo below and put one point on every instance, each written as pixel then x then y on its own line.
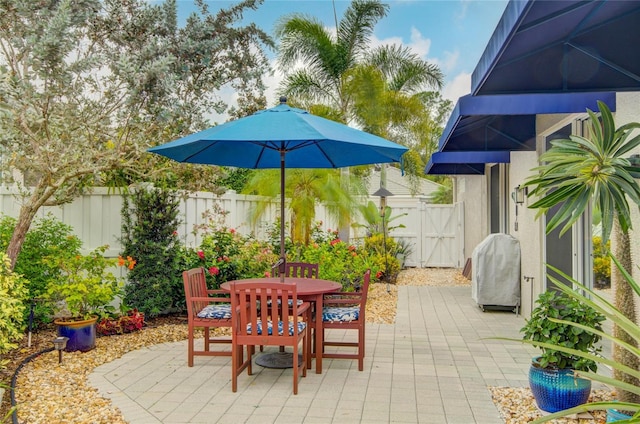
pixel 383 193
pixel 60 343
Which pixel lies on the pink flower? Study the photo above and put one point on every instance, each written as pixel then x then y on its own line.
pixel 334 242
pixel 201 254
pixel 214 270
pixel 175 233
pixel 232 231
pixel 267 274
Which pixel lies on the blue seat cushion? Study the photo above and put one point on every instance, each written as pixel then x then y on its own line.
pixel 301 326
pixel 340 314
pixel 216 311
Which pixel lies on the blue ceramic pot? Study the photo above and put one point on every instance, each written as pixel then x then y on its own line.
pixel 81 334
pixel 557 389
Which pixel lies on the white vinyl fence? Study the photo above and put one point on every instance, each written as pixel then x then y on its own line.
pixel 434 231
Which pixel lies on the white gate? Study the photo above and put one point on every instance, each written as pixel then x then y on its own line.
pixel 442 241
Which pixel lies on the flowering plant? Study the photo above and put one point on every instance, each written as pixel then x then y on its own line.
pixel 215 253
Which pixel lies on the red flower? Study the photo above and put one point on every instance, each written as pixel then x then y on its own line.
pixel 379 274
pixel 175 233
pixel 214 270
pixel 232 231
pixel 334 242
pixel 201 254
pixel 267 274
pixel 351 248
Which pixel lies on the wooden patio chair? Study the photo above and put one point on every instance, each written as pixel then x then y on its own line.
pixel 297 270
pixel 346 311
pixel 207 309
pixel 259 320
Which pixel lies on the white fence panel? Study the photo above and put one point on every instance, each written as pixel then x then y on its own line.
pixel 434 232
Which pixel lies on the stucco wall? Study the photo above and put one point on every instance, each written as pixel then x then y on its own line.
pixel 472 191
pixel 529 231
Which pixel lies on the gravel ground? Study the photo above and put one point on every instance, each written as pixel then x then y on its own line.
pixel 52 393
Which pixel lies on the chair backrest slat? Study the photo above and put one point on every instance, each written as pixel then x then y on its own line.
pixel 195 285
pixel 300 270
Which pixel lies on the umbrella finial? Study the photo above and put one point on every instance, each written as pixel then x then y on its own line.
pixel 283 100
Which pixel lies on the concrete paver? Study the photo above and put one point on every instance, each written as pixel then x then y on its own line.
pixel 432 366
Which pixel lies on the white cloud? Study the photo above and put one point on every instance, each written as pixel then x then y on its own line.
pixel 459 86
pixel 417 44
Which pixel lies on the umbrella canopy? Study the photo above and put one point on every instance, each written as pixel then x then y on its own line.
pixel 282 137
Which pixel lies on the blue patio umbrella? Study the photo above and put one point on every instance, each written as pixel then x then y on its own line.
pixel 282 137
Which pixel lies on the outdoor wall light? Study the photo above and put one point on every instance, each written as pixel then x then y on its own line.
pixel 519 193
pixel 60 343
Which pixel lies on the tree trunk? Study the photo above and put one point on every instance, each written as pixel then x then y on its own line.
pixel 625 303
pixel 27 213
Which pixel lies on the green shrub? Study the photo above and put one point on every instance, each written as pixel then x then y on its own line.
pixel 149 226
pixel 337 260
pixel 218 254
pixel 83 287
pixel 375 245
pixel 255 258
pixel 48 237
pixel 541 328
pixel 13 294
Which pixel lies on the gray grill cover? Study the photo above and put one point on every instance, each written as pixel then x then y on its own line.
pixel 496 271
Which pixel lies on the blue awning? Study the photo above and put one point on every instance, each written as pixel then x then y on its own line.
pixel 452 163
pixel 508 122
pixel 562 46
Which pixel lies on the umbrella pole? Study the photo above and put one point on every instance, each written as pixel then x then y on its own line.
pixel 283 260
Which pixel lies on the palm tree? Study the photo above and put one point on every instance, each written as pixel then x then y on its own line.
pixel 326 57
pixel 576 171
pixel 376 88
pixel 305 187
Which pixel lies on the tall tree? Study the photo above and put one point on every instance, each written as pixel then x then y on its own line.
pixel 577 171
pixel 87 85
pixel 389 93
pixel 326 57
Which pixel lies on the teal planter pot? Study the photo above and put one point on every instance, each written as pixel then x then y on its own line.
pixel 81 334
pixel 557 389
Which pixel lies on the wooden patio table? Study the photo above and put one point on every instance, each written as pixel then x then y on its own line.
pixel 309 290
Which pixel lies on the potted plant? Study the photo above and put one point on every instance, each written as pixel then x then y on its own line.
pixel 82 292
pixel 619 409
pixel 552 375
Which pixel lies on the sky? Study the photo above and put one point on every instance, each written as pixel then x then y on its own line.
pixel 449 33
